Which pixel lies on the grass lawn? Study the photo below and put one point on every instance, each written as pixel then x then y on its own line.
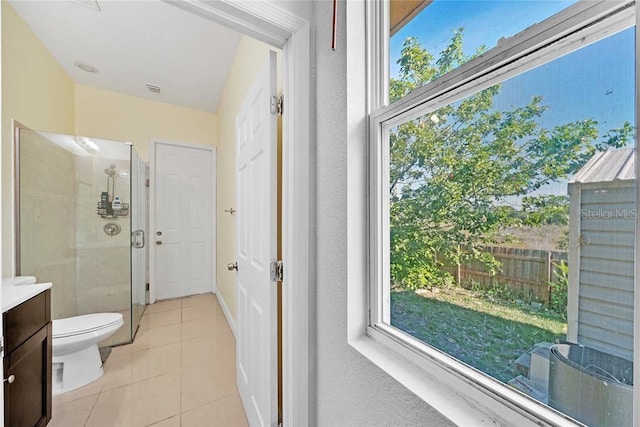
pixel 485 334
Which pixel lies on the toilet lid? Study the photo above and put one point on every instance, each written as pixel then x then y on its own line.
pixel 84 323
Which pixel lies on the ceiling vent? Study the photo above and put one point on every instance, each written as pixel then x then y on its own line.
pixel 153 88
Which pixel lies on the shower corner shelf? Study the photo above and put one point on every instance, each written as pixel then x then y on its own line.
pixel 108 212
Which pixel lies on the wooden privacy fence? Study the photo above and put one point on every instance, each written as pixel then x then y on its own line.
pixel 527 272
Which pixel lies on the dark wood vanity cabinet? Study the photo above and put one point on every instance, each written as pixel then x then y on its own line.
pixel 27 362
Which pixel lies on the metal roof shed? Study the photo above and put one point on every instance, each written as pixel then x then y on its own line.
pixel 601 253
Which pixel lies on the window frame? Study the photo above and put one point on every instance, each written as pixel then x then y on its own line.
pixel 579 24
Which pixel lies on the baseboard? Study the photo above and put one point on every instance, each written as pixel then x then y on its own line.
pixel 227 314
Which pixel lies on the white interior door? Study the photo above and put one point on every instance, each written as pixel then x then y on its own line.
pixel 256 248
pixel 184 218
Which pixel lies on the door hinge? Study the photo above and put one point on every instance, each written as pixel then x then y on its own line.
pixel 146 287
pixel 146 182
pixel 277 271
pixel 277 105
pixel 2 346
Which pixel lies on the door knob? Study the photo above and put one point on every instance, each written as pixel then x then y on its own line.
pixel 11 379
pixel 232 266
pixel 158 242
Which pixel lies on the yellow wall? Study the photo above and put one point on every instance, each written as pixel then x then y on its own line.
pixel 38 93
pixel 35 91
pixel 249 56
pixel 110 115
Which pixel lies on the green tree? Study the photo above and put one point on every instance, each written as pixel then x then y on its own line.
pixel 455 171
pixel 545 209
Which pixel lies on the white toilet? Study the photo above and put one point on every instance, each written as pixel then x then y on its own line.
pixel 76 359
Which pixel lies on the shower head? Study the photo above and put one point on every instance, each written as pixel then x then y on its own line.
pixel 111 170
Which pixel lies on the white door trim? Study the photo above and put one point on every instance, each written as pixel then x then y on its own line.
pixel 296 236
pixel 282 29
pixel 152 206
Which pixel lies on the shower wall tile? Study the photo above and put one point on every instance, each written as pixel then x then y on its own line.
pixel 47 220
pixel 86 213
pixel 86 266
pixel 46 168
pixel 104 299
pixel 103 282
pixel 115 259
pixel 63 293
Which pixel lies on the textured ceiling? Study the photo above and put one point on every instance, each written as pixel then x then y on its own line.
pixel 136 43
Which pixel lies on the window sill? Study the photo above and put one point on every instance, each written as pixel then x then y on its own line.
pixel 466 398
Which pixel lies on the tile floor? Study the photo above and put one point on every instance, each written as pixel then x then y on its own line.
pixel 179 371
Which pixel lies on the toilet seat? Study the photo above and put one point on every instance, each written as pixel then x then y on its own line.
pixel 85 323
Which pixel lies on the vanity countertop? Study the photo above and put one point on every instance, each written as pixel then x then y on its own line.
pixel 16 291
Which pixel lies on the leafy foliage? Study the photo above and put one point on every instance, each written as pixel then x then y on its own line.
pixel 560 290
pixel 455 172
pixel 545 209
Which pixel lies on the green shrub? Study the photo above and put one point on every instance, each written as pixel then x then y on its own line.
pixel 559 290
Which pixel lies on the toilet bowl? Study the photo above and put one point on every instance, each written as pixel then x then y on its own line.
pixel 76 359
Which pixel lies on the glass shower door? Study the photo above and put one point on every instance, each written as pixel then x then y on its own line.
pixel 81 208
pixel 139 239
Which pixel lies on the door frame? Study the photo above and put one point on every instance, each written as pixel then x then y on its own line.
pixel 284 30
pixel 152 206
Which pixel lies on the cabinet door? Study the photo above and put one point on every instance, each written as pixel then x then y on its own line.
pixel 26 319
pixel 27 402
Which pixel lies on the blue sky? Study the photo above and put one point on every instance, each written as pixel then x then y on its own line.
pixel 485 22
pixel 595 82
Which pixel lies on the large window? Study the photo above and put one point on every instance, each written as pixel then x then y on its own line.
pixel 503 199
pixel 449 32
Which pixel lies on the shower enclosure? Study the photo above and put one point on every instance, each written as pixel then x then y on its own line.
pixel 81 221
